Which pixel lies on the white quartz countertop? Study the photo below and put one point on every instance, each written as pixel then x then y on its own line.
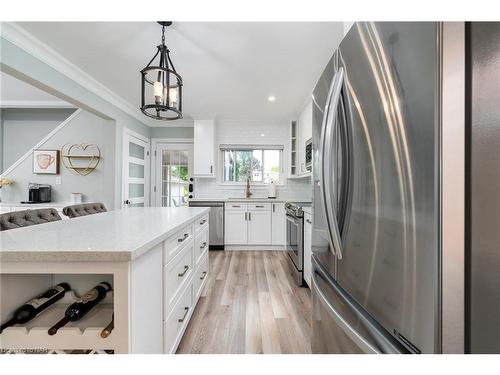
pixel 120 235
pixel 271 200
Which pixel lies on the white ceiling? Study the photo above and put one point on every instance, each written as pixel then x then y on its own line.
pixel 229 69
pixel 17 93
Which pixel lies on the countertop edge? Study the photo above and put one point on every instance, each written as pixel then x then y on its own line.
pixel 68 256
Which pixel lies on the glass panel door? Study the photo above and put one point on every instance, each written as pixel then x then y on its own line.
pixel 173 167
pixel 135 171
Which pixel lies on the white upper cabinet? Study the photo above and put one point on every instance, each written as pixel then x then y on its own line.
pixel 305 133
pixel 204 148
pixel 301 132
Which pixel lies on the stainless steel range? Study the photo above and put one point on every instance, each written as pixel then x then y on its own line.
pixel 295 237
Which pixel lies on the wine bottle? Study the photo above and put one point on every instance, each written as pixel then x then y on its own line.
pixel 82 306
pixel 35 306
pixel 109 328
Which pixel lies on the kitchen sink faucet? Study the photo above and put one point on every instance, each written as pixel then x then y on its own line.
pixel 248 193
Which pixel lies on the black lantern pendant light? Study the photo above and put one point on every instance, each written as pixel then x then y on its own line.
pixel 161 85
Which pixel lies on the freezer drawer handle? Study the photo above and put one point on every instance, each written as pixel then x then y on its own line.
pixel 349 331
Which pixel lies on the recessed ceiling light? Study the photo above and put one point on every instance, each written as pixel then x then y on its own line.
pixel 271 98
pixel 262 134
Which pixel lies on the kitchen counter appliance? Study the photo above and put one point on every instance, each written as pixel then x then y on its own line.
pixel 216 217
pixel 38 193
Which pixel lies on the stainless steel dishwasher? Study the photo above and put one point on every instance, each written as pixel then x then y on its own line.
pixel 216 241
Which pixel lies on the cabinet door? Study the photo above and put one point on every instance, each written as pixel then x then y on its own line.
pixel 204 148
pixel 259 227
pixel 305 133
pixel 278 224
pixel 307 249
pixel 235 227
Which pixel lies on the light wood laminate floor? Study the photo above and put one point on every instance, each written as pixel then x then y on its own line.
pixel 251 304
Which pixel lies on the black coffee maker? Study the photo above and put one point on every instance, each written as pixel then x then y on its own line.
pixel 38 193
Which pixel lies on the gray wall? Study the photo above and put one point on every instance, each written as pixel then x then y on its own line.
pixel 22 128
pixel 23 65
pixel 99 185
pixel 173 132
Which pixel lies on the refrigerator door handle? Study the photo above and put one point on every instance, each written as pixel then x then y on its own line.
pixel 330 118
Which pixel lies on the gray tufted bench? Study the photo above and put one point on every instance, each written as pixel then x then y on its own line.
pixel 18 219
pixel 83 209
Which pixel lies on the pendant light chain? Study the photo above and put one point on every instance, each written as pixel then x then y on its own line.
pixel 161 85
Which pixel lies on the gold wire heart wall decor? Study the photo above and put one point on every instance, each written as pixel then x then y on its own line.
pixel 81 159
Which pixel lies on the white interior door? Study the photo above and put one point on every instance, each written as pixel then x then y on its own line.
pixel 135 170
pixel 173 168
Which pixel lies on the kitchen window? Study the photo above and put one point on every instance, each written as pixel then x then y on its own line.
pixel 259 164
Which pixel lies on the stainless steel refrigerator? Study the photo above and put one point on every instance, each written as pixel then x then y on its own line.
pixel 377 167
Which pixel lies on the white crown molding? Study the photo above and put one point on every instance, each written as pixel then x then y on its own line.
pixel 29 43
pixel 39 144
pixel 35 104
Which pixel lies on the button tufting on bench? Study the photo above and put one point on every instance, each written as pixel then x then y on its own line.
pixel 84 209
pixel 25 218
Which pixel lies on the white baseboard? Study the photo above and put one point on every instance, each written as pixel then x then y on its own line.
pixel 254 247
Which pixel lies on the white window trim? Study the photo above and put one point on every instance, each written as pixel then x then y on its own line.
pixel 237 185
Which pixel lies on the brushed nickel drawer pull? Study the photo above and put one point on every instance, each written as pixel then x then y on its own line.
pixel 309 221
pixel 203 245
pixel 185 314
pixel 235 206
pixel 183 273
pixel 204 275
pixel 203 221
pixel 186 235
pixel 259 206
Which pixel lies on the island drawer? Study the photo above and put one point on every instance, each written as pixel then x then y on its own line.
pixel 178 320
pixel 259 206
pixel 200 224
pixel 173 245
pixel 176 275
pixel 200 245
pixel 200 277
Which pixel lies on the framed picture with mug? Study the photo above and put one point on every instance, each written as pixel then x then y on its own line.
pixel 46 161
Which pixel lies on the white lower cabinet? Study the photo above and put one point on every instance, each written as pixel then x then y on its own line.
pixel 185 276
pixel 259 227
pixel 235 227
pixel 255 224
pixel 307 248
pixel 278 224
pixel 178 320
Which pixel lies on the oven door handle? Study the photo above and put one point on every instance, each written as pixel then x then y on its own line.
pixel 292 219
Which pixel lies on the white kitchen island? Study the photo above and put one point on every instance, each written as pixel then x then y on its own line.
pixel 156 259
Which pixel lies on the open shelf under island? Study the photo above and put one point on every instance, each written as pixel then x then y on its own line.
pixel 156 260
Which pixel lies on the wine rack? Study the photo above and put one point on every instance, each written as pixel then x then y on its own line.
pixel 82 336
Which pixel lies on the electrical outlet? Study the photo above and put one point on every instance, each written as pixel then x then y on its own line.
pixel 58 180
